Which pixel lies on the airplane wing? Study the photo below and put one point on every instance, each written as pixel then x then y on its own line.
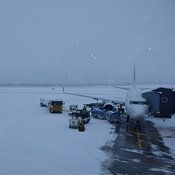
pixel 124 88
pixel 114 101
pixel 127 88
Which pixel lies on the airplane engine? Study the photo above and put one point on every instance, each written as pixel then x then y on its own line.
pixel 109 107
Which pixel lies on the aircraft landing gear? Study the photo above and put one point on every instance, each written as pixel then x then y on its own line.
pixel 127 123
pixel 127 119
pixel 137 125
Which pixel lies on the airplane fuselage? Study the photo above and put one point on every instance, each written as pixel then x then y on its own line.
pixel 136 106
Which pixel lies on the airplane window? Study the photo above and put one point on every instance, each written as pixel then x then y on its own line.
pixel 143 103
pixel 138 102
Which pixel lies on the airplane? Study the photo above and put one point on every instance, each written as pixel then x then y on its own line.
pixel 136 106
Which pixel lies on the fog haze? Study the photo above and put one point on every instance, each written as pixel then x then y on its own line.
pixel 87 41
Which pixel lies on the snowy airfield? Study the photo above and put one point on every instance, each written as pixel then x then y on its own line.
pixel 34 141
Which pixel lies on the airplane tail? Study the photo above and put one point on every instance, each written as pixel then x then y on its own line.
pixel 134 78
pixel 63 89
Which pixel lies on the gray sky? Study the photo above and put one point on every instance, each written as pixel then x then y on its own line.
pixel 86 41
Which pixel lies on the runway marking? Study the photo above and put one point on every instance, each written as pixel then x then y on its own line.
pixel 138 140
pixel 138 134
pixel 128 127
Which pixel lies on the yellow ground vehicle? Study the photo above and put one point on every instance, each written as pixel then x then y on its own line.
pixel 56 106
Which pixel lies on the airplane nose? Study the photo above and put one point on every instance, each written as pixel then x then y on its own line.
pixel 140 112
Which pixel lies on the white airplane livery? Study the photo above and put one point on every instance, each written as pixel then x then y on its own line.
pixel 136 106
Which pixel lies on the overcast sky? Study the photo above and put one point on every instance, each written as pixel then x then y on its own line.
pixel 86 41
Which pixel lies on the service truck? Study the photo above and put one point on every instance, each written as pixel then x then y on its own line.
pixel 56 106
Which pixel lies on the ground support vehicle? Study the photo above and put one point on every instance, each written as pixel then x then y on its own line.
pixel 81 127
pixel 77 123
pixel 84 115
pixel 73 109
pixel 114 118
pixel 98 113
pixel 101 116
pixel 74 122
pixel 56 106
pixel 44 103
pixel 79 118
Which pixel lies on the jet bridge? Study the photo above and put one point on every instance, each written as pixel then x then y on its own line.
pixel 161 102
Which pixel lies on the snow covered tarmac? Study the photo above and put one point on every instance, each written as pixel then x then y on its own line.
pixel 34 141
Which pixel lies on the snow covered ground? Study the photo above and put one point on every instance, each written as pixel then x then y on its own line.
pixel 167 130
pixel 34 141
